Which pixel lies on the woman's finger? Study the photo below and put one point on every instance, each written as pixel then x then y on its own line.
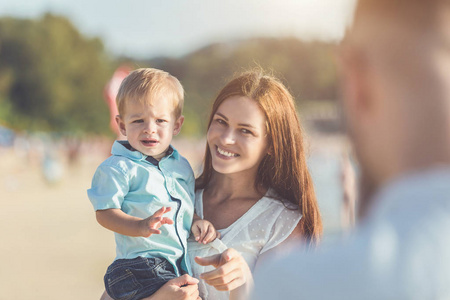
pixel 184 280
pixel 221 271
pixel 230 285
pixel 225 278
pixel 191 291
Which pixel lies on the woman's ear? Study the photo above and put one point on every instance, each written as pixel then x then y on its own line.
pixel 121 125
pixel 177 126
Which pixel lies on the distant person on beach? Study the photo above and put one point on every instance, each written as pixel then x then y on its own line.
pixel 395 65
pixel 255 187
pixel 144 185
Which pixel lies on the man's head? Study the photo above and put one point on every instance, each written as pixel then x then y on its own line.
pixel 396 87
pixel 150 103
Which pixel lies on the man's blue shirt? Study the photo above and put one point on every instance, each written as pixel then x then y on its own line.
pixel 139 186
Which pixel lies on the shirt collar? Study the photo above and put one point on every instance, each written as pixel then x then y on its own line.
pixel 420 187
pixel 123 148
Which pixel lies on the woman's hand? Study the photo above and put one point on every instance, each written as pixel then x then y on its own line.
pixel 231 271
pixel 181 288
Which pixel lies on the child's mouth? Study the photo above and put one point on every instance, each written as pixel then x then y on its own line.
pixel 149 143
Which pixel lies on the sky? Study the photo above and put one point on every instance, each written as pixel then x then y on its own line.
pixel 150 28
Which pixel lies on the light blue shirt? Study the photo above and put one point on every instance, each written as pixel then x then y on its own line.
pixel 401 252
pixel 139 186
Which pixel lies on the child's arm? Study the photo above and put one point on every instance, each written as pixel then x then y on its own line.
pixel 203 231
pixel 116 220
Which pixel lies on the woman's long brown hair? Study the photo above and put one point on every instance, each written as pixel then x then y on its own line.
pixel 284 169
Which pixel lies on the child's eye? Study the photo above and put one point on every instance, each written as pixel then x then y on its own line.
pixel 138 121
pixel 161 121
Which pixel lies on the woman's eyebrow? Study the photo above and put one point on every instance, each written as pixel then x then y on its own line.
pixel 240 124
pixel 221 115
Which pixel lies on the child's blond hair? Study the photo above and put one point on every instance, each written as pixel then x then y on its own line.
pixel 146 84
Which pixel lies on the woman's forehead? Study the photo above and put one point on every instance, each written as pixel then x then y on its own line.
pixel 242 110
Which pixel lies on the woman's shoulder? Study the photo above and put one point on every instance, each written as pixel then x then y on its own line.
pixel 272 210
pixel 279 203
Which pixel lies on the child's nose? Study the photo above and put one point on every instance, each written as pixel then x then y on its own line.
pixel 150 127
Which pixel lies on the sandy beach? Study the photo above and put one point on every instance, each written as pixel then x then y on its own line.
pixel 52 246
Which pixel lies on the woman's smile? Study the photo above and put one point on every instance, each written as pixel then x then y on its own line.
pixel 226 153
pixel 236 136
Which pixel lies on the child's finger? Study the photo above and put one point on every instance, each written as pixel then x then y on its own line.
pixel 210 236
pixel 196 232
pixel 166 220
pixel 203 234
pixel 161 211
pixel 156 222
pixel 152 221
pixel 152 231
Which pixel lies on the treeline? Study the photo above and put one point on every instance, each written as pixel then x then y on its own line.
pixel 52 77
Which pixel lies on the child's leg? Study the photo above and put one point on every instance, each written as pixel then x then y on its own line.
pixel 137 278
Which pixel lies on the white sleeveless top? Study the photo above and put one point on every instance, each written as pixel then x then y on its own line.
pixel 264 226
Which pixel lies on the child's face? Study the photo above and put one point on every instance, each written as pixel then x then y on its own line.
pixel 150 128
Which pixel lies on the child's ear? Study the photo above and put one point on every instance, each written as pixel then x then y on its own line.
pixel 121 125
pixel 178 124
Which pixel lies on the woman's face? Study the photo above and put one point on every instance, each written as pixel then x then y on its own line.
pixel 237 136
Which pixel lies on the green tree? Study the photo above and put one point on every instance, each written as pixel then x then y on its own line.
pixel 307 68
pixel 51 76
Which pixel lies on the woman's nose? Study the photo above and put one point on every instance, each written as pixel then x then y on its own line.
pixel 228 137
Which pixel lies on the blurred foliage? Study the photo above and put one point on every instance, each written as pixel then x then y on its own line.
pixel 52 77
pixel 306 68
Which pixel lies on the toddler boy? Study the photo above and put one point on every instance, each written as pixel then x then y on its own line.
pixel 145 184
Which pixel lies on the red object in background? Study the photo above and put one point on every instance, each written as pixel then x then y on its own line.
pixel 110 92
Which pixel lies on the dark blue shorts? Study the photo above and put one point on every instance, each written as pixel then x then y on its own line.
pixel 133 279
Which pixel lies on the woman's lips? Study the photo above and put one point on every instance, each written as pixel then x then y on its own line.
pixel 225 153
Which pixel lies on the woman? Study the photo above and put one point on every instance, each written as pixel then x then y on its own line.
pixel 255 187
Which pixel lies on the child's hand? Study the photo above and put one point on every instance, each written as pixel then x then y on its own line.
pixel 203 231
pixel 150 225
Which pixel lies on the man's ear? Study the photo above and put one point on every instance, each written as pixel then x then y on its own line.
pixel 355 83
pixel 121 125
pixel 178 124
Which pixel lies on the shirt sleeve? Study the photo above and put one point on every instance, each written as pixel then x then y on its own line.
pixel 283 226
pixel 109 187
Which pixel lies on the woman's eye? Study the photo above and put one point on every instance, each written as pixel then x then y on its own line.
pixel 220 121
pixel 246 131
